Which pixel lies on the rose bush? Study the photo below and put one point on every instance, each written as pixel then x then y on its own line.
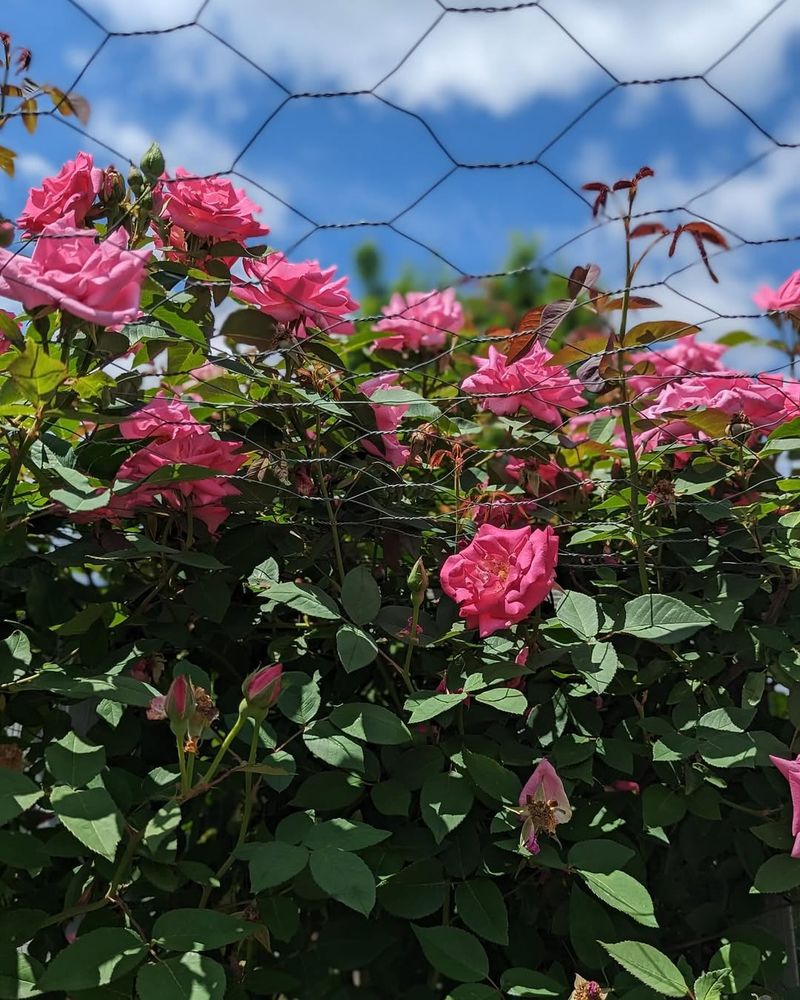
pixel 422 657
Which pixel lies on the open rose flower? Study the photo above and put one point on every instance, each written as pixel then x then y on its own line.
pixel 210 208
pixel 71 191
pixel 501 576
pixel 686 358
pixel 99 281
pixel 531 383
pixel 785 298
pixel 297 293
pixel 420 320
pixel 543 805
pixel 162 418
pixel 387 420
pixel 790 769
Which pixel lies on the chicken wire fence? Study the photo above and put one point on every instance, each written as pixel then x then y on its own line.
pixel 366 499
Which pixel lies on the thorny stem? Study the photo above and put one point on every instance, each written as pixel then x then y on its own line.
pixel 182 765
pixel 625 408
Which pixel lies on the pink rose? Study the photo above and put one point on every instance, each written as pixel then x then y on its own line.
pixel 501 576
pixel 764 402
pixel 161 418
pixel 543 805
pixel 71 191
pixel 297 292
pixel 97 281
pixel 790 769
pixel 420 320
pixel 387 420
pixel 782 299
pixel 531 383
pixel 208 207
pixel 684 359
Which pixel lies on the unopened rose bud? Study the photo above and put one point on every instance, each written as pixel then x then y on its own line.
pixel 136 180
pixel 179 704
pixel 261 690
pixel 418 582
pixel 152 162
pixel 6 233
pixel 112 188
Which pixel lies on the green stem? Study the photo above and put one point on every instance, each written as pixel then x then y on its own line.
pixel 223 749
pixel 337 544
pixel 410 647
pixel 182 765
pixel 633 462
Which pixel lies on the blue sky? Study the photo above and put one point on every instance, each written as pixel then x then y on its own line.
pixel 494 88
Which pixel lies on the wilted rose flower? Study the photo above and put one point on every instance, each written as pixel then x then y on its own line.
pixel 419 320
pixel 785 298
pixel 208 207
pixel 531 383
pixel 543 806
pixel 501 576
pixel 387 419
pixel 97 281
pixel 587 989
pixel 71 192
pixel 790 769
pixel 297 292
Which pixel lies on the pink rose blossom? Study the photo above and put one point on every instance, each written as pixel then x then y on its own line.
pixel 531 383
pixel 543 805
pixel 420 320
pixel 790 769
pixel 686 358
pixel 623 785
pixel 501 576
pixel 156 710
pixel 208 207
pixel 71 191
pixel 163 419
pixel 97 281
pixel 782 299
pixel 763 402
pixel 387 420
pixel 297 292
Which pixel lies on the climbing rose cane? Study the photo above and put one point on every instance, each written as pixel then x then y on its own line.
pixel 543 805
pixel 501 576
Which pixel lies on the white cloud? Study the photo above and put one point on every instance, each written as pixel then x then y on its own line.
pixel 494 61
pixel 32 167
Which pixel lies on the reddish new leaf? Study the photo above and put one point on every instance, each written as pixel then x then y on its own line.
pixel 648 229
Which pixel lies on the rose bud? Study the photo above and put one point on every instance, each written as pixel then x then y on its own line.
pixel 261 690
pixel 136 180
pixel 112 187
pixel 179 704
pixel 152 163
pixel 418 582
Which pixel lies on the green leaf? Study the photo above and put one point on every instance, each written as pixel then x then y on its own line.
pixel 299 698
pixel 250 326
pixel 15 654
pixel 623 892
pixel 327 743
pixel 662 807
pixel 305 598
pixel 17 793
pixel 778 874
pixel 361 595
pixel 425 705
pixel 416 891
pixel 650 966
pixel 597 663
pixel 188 977
pixel 73 762
pixel 578 612
pixel 160 834
pixel 445 801
pixel 473 991
pixel 708 986
pixel 22 850
pixel 90 815
pixel 739 961
pixel 355 648
pixel 198 930
pixel 481 907
pixel 599 856
pixel 504 699
pixel 370 723
pixel 94 959
pixel 37 374
pixel 345 877
pixel 19 974
pixel 492 778
pixel 661 619
pixel 348 835
pixel 274 863
pixel 453 952
pixel 527 983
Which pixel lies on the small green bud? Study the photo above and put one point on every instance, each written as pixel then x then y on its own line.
pixel 152 162
pixel 136 180
pixel 418 582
